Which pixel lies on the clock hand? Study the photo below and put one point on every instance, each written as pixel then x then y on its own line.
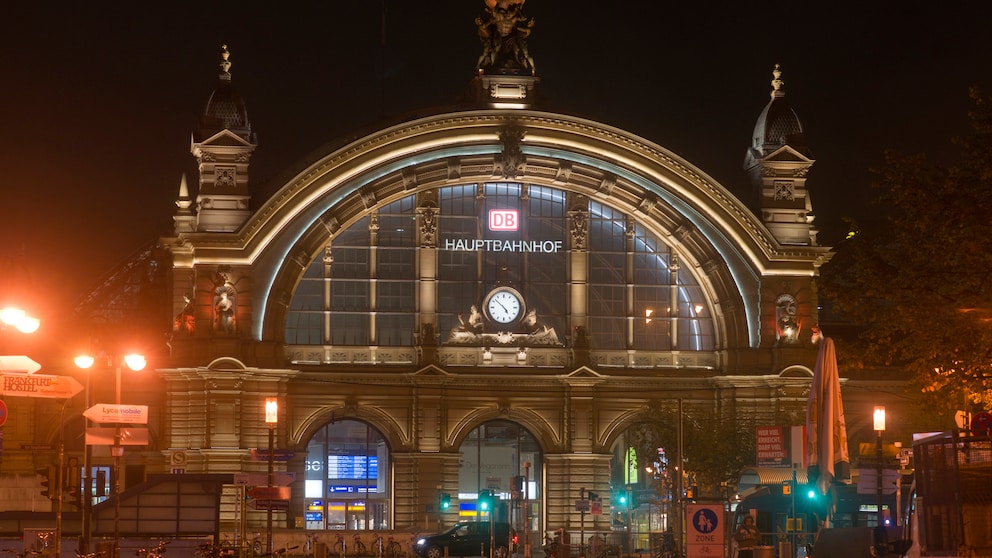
pixel 505 309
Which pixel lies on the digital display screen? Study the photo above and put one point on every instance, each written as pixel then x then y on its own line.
pixel 314 516
pixel 354 467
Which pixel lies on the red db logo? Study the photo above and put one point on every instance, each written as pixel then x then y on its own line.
pixel 503 220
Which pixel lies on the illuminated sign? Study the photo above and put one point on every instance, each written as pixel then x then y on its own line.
pixel 503 220
pixel 478 244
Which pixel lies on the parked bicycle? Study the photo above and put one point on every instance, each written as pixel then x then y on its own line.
pixel 155 552
pixel 340 545
pixel 358 547
pixel 310 545
pixel 393 548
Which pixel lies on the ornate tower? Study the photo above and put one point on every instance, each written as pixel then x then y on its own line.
pixel 777 163
pixel 222 147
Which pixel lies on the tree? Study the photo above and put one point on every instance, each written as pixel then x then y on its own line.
pixel 917 278
pixel 716 448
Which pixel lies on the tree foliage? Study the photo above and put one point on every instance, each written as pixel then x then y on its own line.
pixel 715 449
pixel 917 276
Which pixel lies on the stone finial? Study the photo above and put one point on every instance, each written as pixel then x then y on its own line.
pixel 225 64
pixel 777 82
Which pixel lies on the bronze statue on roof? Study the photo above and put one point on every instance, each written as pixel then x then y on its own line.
pixel 504 39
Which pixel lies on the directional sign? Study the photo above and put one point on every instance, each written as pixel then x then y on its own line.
pixel 277 455
pixel 270 492
pixel 39 385
pixel 104 436
pixel 275 505
pixel 124 414
pixel 279 478
pixel 18 363
pixel 868 480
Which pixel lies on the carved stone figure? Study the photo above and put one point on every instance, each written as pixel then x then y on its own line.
pixel 504 38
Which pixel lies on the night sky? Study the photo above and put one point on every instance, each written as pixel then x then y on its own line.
pixel 99 98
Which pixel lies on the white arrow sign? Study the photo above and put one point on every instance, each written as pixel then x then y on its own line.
pixel 126 414
pixel 18 363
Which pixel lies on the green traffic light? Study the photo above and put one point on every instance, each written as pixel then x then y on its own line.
pixel 811 494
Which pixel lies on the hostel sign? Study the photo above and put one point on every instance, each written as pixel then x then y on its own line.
pixel 39 385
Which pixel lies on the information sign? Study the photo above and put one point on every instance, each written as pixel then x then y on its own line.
pixel 124 414
pixel 39 385
pixel 704 531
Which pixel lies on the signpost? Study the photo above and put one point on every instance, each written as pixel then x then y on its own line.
pixel 39 385
pixel 18 364
pixel 704 531
pixel 279 478
pixel 277 455
pixel 124 414
pixel 130 436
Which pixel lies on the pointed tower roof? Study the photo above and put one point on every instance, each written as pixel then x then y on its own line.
pixel 778 124
pixel 225 109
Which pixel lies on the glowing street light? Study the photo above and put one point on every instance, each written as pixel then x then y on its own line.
pixel 271 418
pixel 19 319
pixel 135 362
pixel 879 423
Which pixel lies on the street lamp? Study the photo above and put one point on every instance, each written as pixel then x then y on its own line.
pixel 135 362
pixel 271 418
pixel 19 319
pixel 879 421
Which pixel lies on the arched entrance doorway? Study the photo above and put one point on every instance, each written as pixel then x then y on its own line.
pixel 348 483
pixel 504 460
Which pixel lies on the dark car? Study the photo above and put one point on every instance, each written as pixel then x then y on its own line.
pixel 469 538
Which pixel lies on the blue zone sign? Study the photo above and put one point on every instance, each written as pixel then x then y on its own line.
pixel 704 529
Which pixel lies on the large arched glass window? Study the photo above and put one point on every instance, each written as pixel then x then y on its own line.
pixel 348 478
pixel 363 289
pixel 505 458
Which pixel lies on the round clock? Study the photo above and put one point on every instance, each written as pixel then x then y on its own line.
pixel 504 305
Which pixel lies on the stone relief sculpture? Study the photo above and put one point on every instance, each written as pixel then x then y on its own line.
pixel 504 38
pixel 225 304
pixel 476 330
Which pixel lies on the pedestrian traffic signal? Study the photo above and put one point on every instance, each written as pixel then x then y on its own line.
pixel 445 500
pixel 486 502
pixel 620 500
pixel 49 481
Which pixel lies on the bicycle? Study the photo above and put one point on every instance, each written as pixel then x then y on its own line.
pixel 310 545
pixel 341 545
pixel 280 552
pixel 155 552
pixel 359 546
pixel 393 548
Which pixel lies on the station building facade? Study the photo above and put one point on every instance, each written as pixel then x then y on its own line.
pixel 486 298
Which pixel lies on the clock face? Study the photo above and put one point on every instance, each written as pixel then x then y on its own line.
pixel 504 306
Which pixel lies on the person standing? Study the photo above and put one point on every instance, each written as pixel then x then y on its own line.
pixel 747 537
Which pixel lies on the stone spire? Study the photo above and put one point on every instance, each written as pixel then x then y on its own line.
pixel 184 219
pixel 223 145
pixel 777 163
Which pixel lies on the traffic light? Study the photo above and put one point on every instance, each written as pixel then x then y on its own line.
pixel 486 503
pixel 445 501
pixel 620 499
pixel 49 481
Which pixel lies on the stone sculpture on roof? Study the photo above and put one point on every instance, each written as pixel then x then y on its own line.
pixel 504 39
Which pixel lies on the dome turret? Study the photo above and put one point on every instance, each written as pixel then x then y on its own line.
pixel 777 163
pixel 778 124
pixel 225 109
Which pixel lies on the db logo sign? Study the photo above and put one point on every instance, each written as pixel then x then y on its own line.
pixel 503 220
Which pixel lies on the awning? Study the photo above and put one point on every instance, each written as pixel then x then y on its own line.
pixel 754 477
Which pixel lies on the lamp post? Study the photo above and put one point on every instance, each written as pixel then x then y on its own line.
pixel 879 421
pixel 271 418
pixel 19 319
pixel 134 362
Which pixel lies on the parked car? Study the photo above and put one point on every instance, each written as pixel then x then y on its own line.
pixel 469 538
